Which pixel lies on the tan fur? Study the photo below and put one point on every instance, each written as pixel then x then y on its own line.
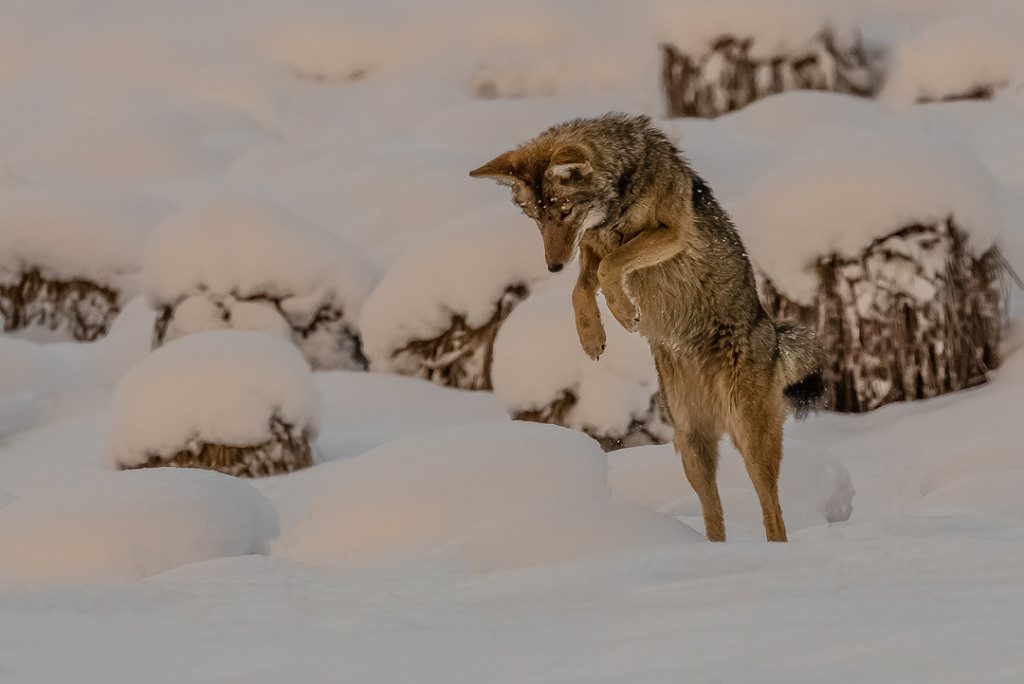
pixel 672 266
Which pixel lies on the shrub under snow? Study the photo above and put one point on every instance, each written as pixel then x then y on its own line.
pixel 238 402
pixel 131 525
pixel 70 258
pixel 436 310
pixel 250 265
pixel 888 253
pixel 541 374
pixel 719 57
pixel 963 56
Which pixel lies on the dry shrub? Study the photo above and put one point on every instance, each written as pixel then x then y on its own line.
pixel 327 340
pixel 728 77
pixel 288 450
pixel 654 428
pixel 461 356
pixel 81 309
pixel 915 315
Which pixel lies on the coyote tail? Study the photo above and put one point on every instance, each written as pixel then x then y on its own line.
pixel 801 361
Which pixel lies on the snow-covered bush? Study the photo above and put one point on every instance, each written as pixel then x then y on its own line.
pixel 485 490
pixel 964 56
pixel 241 403
pixel 250 265
pixel 69 258
pixel 719 57
pixel 437 309
pixel 131 525
pixel 542 374
pixel 888 251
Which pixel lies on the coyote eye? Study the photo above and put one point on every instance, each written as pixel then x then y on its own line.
pixel 566 210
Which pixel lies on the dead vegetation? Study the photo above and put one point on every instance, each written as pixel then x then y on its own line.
pixel 287 450
pixel 82 310
pixel 462 355
pixel 326 338
pixel 915 315
pixel 729 75
pixel 655 427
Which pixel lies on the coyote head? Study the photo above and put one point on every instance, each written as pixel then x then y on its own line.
pixel 554 182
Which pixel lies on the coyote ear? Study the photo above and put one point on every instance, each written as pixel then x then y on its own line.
pixel 568 160
pixel 501 169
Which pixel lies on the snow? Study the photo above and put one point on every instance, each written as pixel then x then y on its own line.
pixel 220 387
pixel 317 150
pixel 70 233
pixel 132 525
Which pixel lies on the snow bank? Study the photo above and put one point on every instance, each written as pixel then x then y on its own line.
pixel 131 525
pixel 247 264
pixel 963 55
pixel 565 531
pixel 460 271
pixel 652 477
pixel 224 387
pixel 537 357
pixel 843 193
pixel 423 491
pixel 72 233
pixel 985 493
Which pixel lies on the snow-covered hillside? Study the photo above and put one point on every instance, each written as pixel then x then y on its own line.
pixel 242 204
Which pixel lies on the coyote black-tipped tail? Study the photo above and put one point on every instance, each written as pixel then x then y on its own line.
pixel 801 359
pixel 807 395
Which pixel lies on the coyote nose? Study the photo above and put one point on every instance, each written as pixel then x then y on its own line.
pixel 555 268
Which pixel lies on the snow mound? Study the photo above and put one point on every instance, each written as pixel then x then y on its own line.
pixel 959 56
pixel 248 264
pixel 67 233
pixel 851 189
pixel 538 357
pixel 223 387
pixel 461 271
pixel 652 477
pixel 423 491
pixel 987 493
pixel 131 525
pixel 555 533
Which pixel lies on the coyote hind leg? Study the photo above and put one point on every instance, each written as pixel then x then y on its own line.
pixel 699 451
pixel 759 439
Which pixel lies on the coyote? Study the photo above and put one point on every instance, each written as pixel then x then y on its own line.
pixel 652 237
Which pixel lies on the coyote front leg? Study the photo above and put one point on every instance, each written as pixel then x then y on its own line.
pixel 584 305
pixel 648 247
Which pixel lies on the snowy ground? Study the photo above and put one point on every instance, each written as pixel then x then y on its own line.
pixel 434 540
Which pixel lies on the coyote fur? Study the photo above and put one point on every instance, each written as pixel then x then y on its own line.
pixel 652 237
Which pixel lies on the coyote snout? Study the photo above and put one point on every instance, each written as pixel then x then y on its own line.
pixel 651 235
pixel 561 201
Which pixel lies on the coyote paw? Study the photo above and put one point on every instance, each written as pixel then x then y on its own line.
pixel 624 310
pixel 592 338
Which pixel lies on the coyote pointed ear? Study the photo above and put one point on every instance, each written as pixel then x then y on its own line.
pixel 568 160
pixel 501 169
